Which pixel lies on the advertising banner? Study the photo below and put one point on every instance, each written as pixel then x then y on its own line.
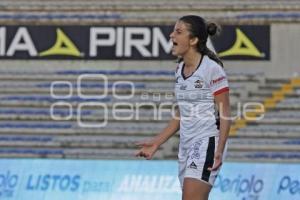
pixel 88 180
pixel 253 181
pixel 29 179
pixel 124 42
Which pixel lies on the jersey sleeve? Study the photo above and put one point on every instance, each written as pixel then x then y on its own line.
pixel 218 80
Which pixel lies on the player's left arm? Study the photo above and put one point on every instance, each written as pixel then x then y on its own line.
pixel 222 101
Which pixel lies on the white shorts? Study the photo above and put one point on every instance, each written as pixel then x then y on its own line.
pixel 193 162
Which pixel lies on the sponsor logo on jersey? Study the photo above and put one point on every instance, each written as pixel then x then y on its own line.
pixel 222 78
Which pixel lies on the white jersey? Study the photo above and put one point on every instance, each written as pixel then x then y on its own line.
pixel 195 98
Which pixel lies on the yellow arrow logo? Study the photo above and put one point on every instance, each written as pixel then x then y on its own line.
pixel 242 47
pixel 62 46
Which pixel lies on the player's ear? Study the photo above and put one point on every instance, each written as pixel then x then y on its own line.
pixel 194 41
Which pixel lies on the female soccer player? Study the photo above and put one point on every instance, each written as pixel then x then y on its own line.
pixel 200 84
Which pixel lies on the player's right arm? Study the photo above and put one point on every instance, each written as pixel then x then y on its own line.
pixel 148 148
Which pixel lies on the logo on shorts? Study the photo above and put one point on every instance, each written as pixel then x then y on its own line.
pixel 193 166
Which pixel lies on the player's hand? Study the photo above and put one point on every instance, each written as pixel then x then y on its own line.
pixel 217 162
pixel 147 149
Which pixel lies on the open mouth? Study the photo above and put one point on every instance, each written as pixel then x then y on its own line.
pixel 175 44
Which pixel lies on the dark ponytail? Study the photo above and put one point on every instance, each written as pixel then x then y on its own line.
pixel 211 55
pixel 212 29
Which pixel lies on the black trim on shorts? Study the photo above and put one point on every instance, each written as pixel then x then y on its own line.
pixel 209 160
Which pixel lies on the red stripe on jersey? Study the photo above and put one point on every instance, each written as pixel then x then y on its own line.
pixel 226 89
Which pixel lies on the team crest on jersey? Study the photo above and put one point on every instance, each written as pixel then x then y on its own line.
pixel 198 84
